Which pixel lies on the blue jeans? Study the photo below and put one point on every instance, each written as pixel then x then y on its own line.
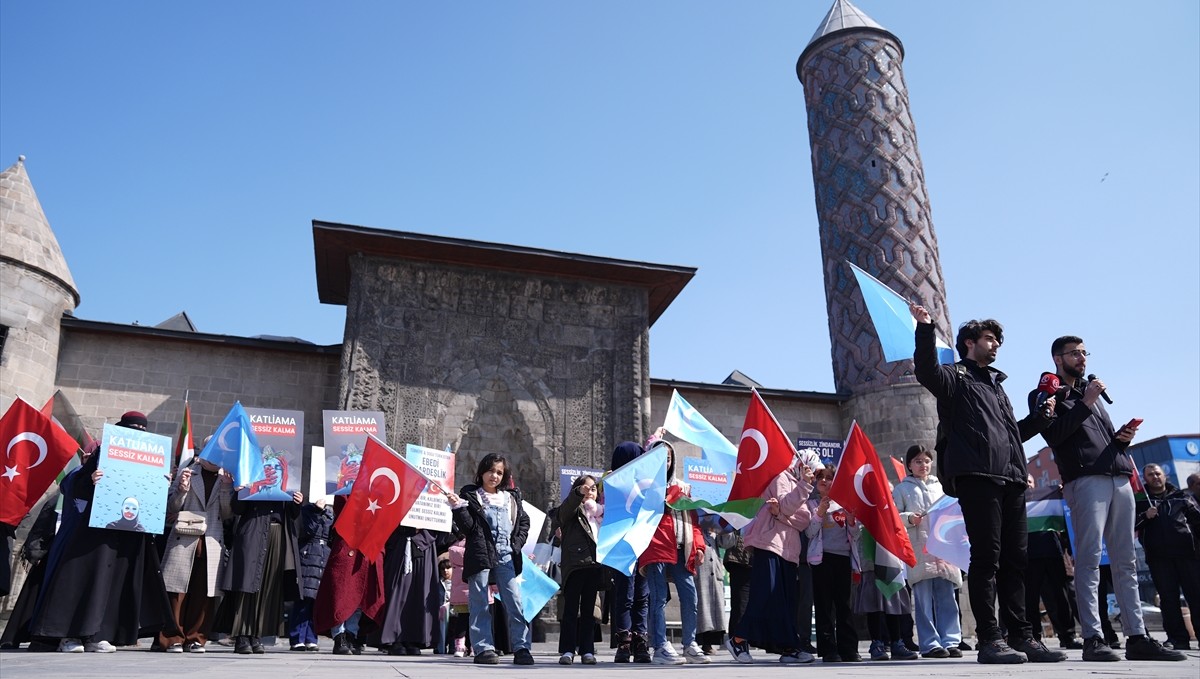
pixel 936 614
pixel 685 588
pixel 481 615
pixel 630 597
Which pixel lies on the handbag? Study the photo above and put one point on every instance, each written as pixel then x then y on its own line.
pixel 191 523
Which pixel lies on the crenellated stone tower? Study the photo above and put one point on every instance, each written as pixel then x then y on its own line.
pixel 36 288
pixel 873 210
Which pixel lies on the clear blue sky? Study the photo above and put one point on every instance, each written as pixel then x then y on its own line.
pixel 174 143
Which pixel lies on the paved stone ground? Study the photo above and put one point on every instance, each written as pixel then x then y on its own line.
pixel 278 662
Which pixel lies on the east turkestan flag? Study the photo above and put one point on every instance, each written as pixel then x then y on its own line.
pixel 689 425
pixel 235 448
pixel 893 322
pixel 634 501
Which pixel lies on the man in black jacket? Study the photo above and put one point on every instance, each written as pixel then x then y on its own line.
pixel 1168 526
pixel 1096 470
pixel 981 461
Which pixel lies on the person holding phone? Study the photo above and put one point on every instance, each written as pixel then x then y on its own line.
pixel 1096 470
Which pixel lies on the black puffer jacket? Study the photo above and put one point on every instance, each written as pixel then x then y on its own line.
pixel 1175 532
pixel 1082 438
pixel 480 553
pixel 978 434
pixel 315 524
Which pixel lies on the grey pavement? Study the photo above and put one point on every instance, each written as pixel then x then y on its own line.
pixel 279 662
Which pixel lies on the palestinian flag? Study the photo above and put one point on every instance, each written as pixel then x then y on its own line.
pixel 184 443
pixel 889 569
pixel 1044 509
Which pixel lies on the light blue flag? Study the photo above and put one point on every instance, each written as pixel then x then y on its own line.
pixel 893 321
pixel 634 498
pixel 235 448
pixel 689 425
pixel 535 587
pixel 947 533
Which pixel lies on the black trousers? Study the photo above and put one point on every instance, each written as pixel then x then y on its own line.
pixel 831 600
pixel 1046 578
pixel 1172 576
pixel 578 624
pixel 994 517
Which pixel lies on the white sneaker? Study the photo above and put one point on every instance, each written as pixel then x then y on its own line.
pixel 693 654
pixel 796 657
pixel 99 647
pixel 566 658
pixel 70 646
pixel 459 653
pixel 666 655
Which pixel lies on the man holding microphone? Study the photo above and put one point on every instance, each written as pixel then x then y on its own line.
pixel 1096 470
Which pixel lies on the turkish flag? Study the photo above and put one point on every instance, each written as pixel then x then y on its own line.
pixel 384 490
pixel 34 450
pixel 764 451
pixel 860 485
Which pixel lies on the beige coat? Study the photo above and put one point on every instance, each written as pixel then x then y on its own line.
pixel 181 549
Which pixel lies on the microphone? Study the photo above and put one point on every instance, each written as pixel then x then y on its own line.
pixel 1103 394
pixel 1048 386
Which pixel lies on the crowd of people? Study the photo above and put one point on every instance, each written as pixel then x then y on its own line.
pixel 241 571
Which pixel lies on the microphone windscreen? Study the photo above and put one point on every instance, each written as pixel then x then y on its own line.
pixel 1049 383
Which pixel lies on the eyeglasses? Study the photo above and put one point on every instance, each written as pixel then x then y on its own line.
pixel 1076 353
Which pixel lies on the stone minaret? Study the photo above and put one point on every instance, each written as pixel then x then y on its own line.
pixel 36 288
pixel 873 210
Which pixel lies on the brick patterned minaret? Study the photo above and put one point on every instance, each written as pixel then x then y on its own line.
pixel 873 210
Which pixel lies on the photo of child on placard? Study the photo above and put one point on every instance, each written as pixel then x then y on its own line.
pixel 345 438
pixel 280 434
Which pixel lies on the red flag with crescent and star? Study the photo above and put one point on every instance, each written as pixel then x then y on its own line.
pixel 860 485
pixel 34 450
pixel 384 490
pixel 764 451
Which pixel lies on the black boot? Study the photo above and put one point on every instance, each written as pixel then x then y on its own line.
pixel 624 654
pixel 356 644
pixel 341 644
pixel 641 650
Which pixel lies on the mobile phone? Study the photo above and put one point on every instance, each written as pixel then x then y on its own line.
pixel 1134 423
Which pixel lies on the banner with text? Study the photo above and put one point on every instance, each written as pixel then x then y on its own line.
pixel 829 451
pixel 431 510
pixel 567 476
pixel 710 479
pixel 132 494
pixel 345 436
pixel 280 434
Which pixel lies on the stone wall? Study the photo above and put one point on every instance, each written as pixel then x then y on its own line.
pixel 105 371
pixel 32 305
pixel 548 371
pixel 896 418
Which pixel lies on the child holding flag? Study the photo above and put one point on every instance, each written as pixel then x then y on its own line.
pixel 489 512
pixel 677 545
pixel 933 580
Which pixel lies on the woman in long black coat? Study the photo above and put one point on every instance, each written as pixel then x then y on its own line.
pixel 413 588
pixel 262 572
